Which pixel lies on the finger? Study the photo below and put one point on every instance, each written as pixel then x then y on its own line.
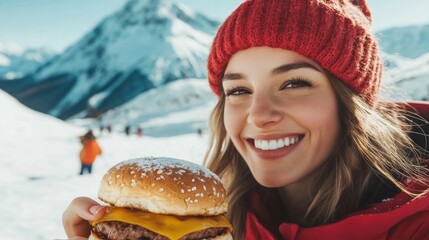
pixel 75 217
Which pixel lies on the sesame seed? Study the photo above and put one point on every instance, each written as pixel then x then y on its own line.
pixel 194 188
pixel 161 190
pixel 181 190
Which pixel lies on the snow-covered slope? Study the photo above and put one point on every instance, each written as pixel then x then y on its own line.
pixel 144 45
pixel 20 125
pixel 15 61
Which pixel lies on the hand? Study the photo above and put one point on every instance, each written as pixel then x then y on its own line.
pixel 78 213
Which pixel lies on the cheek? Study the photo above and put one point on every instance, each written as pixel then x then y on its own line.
pixel 324 121
pixel 230 120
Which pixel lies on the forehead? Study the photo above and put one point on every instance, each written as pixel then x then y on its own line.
pixel 265 57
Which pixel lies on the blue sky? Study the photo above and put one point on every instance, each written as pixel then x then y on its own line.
pixel 59 23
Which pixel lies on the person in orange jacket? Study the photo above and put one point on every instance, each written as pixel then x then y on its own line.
pixel 90 151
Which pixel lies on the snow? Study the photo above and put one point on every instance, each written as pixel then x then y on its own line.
pixel 411 78
pixel 4 61
pixel 40 166
pixel 10 47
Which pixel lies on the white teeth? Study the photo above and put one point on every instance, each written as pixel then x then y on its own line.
pixel 275 144
pixel 264 145
pixel 280 143
pixel 272 145
pixel 287 141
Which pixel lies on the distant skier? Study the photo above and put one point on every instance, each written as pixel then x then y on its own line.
pixel 90 151
pixel 127 130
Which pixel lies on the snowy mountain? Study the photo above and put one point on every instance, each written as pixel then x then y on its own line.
pixel 144 45
pixel 411 79
pixel 411 41
pixel 392 61
pixel 15 61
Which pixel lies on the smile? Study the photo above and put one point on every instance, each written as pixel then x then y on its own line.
pixel 276 143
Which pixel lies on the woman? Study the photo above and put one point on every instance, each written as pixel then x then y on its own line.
pixel 299 136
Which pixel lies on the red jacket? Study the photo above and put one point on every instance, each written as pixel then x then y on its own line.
pixel 399 218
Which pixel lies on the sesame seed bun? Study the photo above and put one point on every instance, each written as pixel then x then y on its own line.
pixel 164 186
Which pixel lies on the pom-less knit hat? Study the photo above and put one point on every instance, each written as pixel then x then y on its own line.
pixel 335 33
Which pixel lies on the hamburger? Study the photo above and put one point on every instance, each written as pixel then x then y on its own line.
pixel 162 198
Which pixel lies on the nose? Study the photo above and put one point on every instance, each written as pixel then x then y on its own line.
pixel 264 112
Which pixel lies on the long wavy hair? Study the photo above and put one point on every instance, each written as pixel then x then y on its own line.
pixel 374 143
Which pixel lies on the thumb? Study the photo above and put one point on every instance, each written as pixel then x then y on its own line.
pixel 78 213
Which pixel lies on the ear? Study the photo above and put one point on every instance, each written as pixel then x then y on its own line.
pixel 363 6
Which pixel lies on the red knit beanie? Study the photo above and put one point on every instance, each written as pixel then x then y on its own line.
pixel 334 33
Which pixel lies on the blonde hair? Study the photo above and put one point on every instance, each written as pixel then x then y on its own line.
pixel 374 145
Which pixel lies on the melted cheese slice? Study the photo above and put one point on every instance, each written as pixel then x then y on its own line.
pixel 173 227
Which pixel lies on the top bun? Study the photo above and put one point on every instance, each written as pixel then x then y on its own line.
pixel 164 186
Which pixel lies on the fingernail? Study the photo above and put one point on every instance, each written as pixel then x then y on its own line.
pixel 94 209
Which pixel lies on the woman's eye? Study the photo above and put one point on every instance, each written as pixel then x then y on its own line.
pixel 296 83
pixel 236 91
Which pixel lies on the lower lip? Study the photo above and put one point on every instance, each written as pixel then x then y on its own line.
pixel 276 153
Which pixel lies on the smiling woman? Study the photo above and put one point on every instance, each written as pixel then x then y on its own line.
pixel 284 100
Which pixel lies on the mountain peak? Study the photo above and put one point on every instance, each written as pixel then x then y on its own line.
pixel 159 9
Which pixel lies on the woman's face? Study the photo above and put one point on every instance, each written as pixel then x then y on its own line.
pixel 280 112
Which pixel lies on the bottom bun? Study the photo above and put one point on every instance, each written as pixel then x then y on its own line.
pixel 225 236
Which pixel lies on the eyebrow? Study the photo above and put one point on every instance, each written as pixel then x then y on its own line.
pixel 278 70
pixel 293 66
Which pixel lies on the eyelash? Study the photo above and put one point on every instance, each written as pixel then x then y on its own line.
pixel 235 91
pixel 299 82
